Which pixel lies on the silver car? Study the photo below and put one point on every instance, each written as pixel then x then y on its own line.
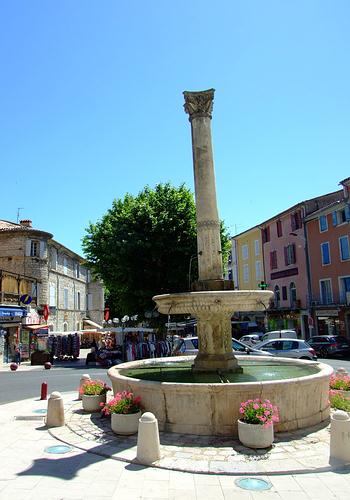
pixel 288 348
pixel 189 345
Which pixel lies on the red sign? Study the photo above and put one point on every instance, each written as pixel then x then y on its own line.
pixel 106 315
pixel 46 312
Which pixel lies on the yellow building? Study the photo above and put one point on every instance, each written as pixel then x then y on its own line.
pixel 247 259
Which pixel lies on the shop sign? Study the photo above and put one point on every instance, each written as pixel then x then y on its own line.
pixel 11 314
pixel 327 312
pixel 33 318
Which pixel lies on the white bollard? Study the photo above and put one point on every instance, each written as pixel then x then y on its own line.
pixel 55 410
pixel 340 436
pixel 341 371
pixel 83 379
pixel 148 446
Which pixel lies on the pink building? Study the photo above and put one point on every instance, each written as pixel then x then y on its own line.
pixel 328 235
pixel 286 264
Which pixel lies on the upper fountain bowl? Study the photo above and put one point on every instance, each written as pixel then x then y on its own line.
pixel 226 301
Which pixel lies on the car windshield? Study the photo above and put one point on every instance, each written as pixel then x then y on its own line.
pixel 237 346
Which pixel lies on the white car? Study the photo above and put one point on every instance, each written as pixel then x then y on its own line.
pixel 288 348
pixel 252 339
pixel 189 345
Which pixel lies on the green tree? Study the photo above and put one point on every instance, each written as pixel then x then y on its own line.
pixel 142 247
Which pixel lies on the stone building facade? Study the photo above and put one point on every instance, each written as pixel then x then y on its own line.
pixel 32 263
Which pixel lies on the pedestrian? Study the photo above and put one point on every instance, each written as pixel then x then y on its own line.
pixel 17 354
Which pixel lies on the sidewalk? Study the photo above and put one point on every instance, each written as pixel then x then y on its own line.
pixel 101 465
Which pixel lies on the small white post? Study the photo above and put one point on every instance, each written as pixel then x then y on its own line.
pixel 83 379
pixel 55 410
pixel 148 446
pixel 340 436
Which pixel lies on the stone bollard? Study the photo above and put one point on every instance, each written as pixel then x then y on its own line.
pixel 340 436
pixel 148 446
pixel 341 371
pixel 83 379
pixel 55 410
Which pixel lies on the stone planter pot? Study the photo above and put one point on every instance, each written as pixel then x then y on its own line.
pixel 92 403
pixel 255 435
pixel 125 424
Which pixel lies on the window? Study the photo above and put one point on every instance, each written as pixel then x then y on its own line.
pixel 65 298
pixel 258 269
pixel 257 247
pixel 326 292
pixel 78 301
pixel 65 265
pixel 266 234
pixel 246 273
pixel 292 294
pixel 344 248
pixel 279 228
pixel 53 258
pixel 284 293
pixel 89 301
pixel 77 270
pixel 287 345
pixel 344 288
pixel 244 252
pixel 295 220
pixel 273 259
pixel 325 253
pixel 34 248
pixel 323 223
pixel 52 299
pixel 289 254
pixel 277 296
pixel 341 216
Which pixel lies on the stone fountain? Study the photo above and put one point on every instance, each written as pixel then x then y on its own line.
pixel 213 408
pixel 213 301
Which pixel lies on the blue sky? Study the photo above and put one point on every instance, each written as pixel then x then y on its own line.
pixel 92 105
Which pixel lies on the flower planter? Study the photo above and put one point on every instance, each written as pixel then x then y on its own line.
pixel 345 394
pixel 125 424
pixel 255 435
pixel 92 403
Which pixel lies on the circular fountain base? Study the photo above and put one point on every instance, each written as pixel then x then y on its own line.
pixel 213 408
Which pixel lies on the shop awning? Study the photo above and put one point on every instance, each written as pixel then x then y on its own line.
pixel 36 327
pixel 91 323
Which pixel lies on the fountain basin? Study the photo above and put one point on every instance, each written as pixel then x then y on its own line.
pixel 213 408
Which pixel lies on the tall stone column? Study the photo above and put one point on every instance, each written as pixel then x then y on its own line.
pixel 199 106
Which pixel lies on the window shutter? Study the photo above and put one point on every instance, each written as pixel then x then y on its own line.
pixel 334 219
pixel 271 260
pixel 294 255
pixel 28 245
pixel 347 212
pixel 292 222
pixel 286 256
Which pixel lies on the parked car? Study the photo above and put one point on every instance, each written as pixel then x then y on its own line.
pixel 288 348
pixel 279 334
pixel 189 345
pixel 252 338
pixel 328 345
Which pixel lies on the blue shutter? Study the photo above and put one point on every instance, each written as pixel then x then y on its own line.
pixel 334 218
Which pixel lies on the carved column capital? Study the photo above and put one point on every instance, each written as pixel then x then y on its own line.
pixel 198 104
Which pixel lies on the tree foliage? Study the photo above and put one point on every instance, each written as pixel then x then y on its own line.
pixel 142 246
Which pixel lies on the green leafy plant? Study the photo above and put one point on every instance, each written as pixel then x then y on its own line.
pixel 94 388
pixel 123 402
pixel 338 401
pixel 340 382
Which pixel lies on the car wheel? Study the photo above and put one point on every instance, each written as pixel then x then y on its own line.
pixel 304 357
pixel 323 352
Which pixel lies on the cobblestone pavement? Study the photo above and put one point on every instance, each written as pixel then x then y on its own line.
pixel 302 450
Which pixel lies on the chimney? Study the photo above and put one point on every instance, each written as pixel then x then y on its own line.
pixel 26 223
